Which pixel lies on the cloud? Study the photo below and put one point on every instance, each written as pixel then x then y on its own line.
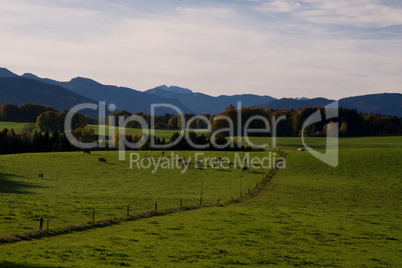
pixel 358 13
pixel 216 48
pixel 282 6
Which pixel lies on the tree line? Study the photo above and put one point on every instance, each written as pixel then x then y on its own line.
pixel 31 139
pixel 45 131
pixel 350 122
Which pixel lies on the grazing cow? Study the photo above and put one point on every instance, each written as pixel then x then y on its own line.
pixel 245 168
pixel 300 149
pixel 219 159
pixel 144 157
pixel 244 160
pixel 163 153
pixel 181 159
pixel 186 164
pixel 100 159
pixel 86 151
pixel 229 163
pixel 40 175
pixel 213 166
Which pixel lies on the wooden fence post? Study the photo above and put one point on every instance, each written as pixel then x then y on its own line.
pixel 201 193
pixel 241 187
pixel 41 223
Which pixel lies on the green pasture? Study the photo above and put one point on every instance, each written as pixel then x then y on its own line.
pixel 74 184
pixel 109 132
pixel 310 214
pixel 11 125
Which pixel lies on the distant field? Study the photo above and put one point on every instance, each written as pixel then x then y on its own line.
pixel 167 134
pixel 11 125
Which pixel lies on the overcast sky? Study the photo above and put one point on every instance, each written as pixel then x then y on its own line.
pixel 279 48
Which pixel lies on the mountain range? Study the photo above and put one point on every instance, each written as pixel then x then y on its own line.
pixel 202 103
pixel 17 91
pixel 124 98
pixel 384 103
pixel 28 87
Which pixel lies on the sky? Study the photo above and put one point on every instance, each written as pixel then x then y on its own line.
pixel 292 48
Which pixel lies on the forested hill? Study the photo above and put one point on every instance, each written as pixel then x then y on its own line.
pixel 384 103
pixel 18 90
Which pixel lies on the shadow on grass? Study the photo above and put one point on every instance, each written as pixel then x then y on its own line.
pixel 19 265
pixel 9 185
pixel 258 172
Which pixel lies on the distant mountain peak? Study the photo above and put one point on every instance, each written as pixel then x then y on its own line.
pixel 31 76
pixel 175 89
pixel 6 73
pixel 302 98
pixel 84 80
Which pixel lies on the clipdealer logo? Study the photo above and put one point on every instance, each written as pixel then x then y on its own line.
pixel 330 156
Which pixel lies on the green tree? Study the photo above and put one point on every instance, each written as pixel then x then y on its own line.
pixel 27 131
pixel 48 121
pixel 30 112
pixel 174 122
pixel 116 115
pixel 343 130
pixel 85 134
pixel 10 113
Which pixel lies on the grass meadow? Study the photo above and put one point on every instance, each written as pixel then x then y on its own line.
pixel 74 184
pixel 309 214
pixel 161 133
